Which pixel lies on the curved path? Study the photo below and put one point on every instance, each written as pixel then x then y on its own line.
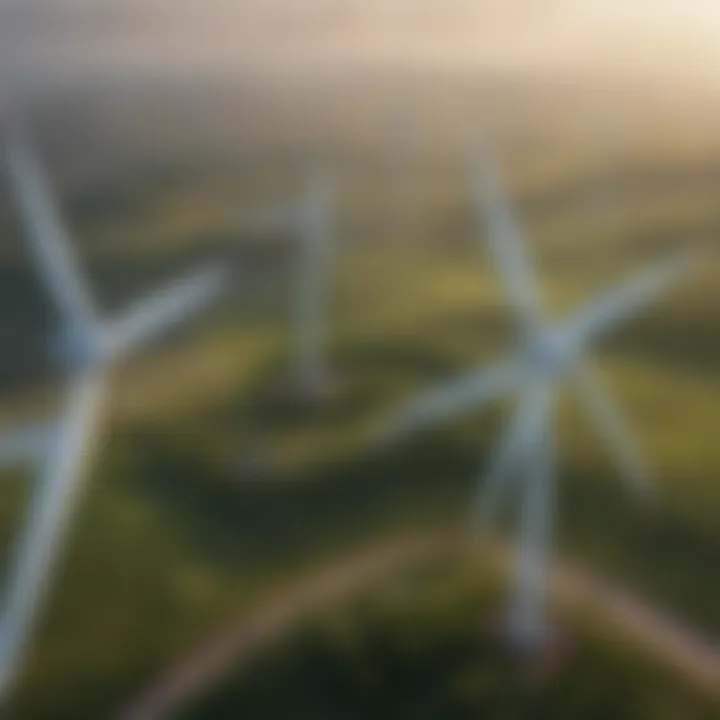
pixel 273 617
pixel 571 587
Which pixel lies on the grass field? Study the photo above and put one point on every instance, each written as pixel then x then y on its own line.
pixel 425 645
pixel 175 534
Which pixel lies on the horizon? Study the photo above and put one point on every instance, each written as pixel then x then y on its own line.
pixel 79 41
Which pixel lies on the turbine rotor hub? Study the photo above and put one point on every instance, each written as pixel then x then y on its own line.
pixel 74 350
pixel 549 351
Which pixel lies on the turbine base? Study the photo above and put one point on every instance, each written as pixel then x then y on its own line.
pixel 319 392
pixel 538 654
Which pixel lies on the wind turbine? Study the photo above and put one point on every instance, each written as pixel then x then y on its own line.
pixel 87 346
pixel 548 352
pixel 310 221
pixel 312 301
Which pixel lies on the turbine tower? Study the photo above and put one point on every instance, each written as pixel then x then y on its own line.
pixel 548 352
pixel 312 301
pixel 87 346
pixel 310 221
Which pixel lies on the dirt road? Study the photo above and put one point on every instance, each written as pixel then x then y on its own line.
pixel 571 587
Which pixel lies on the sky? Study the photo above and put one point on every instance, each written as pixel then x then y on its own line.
pixel 50 38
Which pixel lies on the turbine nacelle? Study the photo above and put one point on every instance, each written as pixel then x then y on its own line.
pixel 549 351
pixel 75 351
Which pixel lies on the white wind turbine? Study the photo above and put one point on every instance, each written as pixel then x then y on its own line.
pixel 310 221
pixel 87 347
pixel 548 352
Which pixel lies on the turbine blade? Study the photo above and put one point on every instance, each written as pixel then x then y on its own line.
pixel 38 548
pixel 52 249
pixel 471 391
pixel 165 309
pixel 505 239
pixel 528 621
pixel 23 444
pixel 512 453
pixel 626 299
pixel 611 426
pixel 313 280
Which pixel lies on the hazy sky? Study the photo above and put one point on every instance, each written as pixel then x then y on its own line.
pixel 50 37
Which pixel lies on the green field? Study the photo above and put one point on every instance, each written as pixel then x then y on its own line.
pixel 176 534
pixel 426 645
